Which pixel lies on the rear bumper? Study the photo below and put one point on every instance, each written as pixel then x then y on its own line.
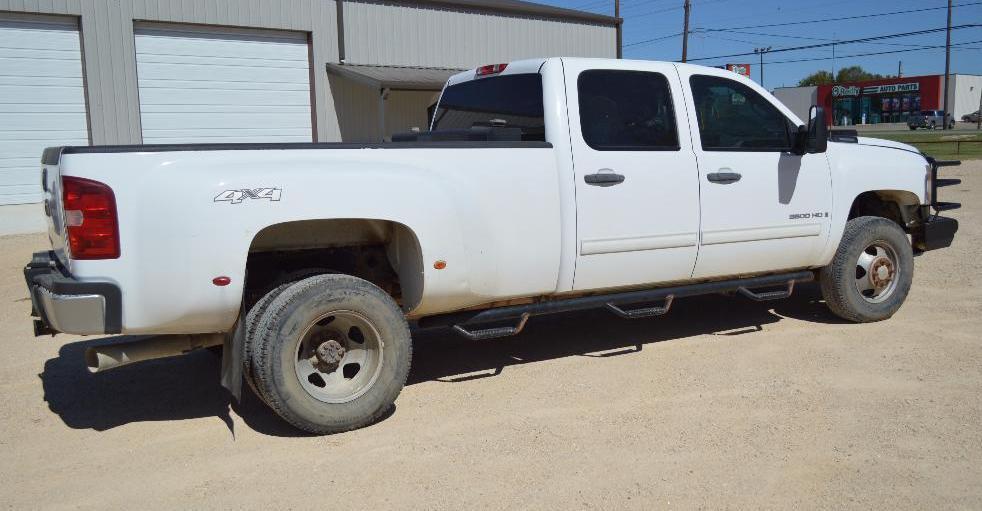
pixel 934 233
pixel 63 304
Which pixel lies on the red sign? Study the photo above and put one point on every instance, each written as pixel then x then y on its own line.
pixel 740 69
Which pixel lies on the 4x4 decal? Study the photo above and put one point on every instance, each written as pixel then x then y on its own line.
pixel 237 196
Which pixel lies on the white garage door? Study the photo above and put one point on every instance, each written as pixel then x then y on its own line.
pixel 232 86
pixel 42 101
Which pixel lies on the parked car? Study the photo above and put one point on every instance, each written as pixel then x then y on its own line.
pixel 543 186
pixel 928 119
pixel 972 117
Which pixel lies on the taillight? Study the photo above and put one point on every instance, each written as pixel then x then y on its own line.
pixel 491 69
pixel 90 219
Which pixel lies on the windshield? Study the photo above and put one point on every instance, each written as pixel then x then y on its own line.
pixel 509 101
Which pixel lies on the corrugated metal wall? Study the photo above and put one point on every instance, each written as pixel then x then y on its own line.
pixel 357 109
pixel 964 95
pixel 405 110
pixel 110 58
pixel 357 106
pixel 436 37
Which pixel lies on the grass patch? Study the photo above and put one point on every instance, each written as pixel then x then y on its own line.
pixel 943 145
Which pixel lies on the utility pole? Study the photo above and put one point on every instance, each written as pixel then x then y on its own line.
pixel 833 58
pixel 620 39
pixel 900 69
pixel 761 52
pixel 685 30
pixel 947 67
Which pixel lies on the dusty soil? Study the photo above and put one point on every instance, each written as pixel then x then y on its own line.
pixel 723 403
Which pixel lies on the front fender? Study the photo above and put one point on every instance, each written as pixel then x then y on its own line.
pixel 859 168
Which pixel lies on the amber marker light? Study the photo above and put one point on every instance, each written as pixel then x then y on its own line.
pixel 440 264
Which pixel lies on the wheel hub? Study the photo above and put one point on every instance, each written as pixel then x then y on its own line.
pixel 881 272
pixel 329 354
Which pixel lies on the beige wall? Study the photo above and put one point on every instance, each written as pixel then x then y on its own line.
pixel 441 37
pixel 357 107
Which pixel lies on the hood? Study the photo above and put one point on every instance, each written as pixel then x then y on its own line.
pixel 879 142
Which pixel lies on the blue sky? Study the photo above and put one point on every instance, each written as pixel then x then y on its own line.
pixel 650 19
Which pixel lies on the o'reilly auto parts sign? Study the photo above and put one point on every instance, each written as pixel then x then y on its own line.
pixel 841 90
pixel 852 90
pixel 896 87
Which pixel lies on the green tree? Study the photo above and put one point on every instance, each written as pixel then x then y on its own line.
pixel 816 78
pixel 846 74
pixel 855 74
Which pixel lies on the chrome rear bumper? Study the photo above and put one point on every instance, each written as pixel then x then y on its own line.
pixel 63 304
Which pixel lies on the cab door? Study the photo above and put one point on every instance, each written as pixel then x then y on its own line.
pixel 763 207
pixel 637 195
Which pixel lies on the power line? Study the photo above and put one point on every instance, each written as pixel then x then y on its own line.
pixel 843 18
pixel 849 41
pixel 791 23
pixel 856 55
pixel 757 43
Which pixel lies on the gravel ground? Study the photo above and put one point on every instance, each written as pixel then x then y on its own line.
pixel 723 403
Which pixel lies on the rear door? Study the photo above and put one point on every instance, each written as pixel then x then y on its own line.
pixel 763 207
pixel 637 195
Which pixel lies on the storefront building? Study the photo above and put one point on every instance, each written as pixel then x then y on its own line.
pixel 879 101
pixel 890 100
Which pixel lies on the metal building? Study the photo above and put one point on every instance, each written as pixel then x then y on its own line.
pixel 170 71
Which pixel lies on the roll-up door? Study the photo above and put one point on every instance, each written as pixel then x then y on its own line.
pixel 199 85
pixel 42 100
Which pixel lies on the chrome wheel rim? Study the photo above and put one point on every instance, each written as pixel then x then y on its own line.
pixel 877 272
pixel 338 357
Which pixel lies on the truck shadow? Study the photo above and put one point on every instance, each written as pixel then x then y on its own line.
pixel 187 387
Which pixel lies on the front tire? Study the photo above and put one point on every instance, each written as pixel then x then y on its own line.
pixel 331 353
pixel 871 273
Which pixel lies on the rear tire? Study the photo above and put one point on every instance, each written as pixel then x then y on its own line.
pixel 871 273
pixel 331 353
pixel 255 315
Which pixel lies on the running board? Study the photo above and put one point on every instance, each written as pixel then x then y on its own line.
pixel 768 295
pixel 468 323
pixel 937 182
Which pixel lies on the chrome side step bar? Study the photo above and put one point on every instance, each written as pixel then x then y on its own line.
pixel 468 323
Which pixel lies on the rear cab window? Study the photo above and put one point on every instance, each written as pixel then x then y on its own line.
pixel 504 101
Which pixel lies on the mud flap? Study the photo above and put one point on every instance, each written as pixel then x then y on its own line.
pixel 232 361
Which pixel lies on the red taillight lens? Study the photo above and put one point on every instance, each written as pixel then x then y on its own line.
pixel 491 69
pixel 90 219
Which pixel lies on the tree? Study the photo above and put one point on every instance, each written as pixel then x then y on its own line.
pixel 855 74
pixel 817 78
pixel 846 74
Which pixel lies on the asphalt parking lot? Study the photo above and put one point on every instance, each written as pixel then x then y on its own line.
pixel 723 403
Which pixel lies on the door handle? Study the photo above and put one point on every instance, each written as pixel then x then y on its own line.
pixel 724 177
pixel 604 177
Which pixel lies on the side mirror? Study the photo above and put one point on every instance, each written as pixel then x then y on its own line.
pixel 817 138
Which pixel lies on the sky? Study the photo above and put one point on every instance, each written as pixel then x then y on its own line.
pixel 652 27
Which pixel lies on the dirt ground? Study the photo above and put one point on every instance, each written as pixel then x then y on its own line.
pixel 724 403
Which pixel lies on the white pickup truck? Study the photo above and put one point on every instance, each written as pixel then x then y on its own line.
pixel 542 186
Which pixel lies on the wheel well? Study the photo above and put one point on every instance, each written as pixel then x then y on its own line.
pixel 897 205
pixel 382 252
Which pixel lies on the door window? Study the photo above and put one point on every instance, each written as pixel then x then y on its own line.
pixel 732 117
pixel 626 111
